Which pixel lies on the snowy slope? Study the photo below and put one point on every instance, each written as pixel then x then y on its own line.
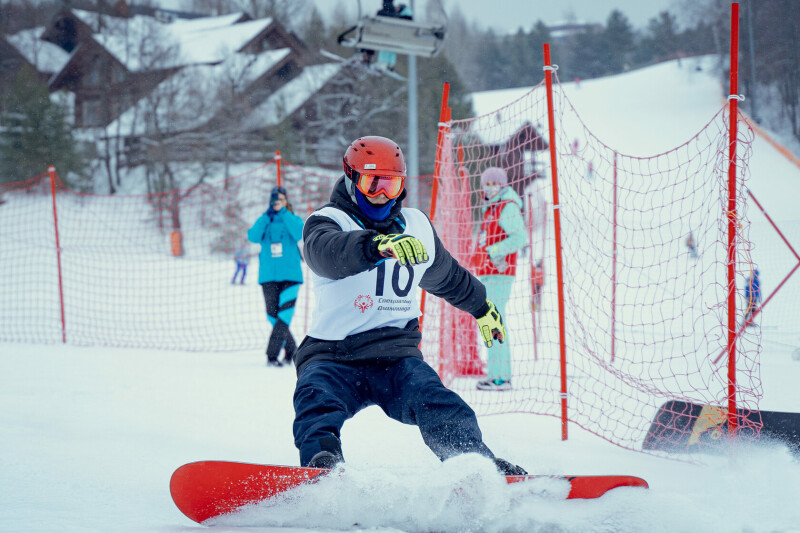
pixel 90 436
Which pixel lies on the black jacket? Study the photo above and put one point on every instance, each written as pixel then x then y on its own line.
pixel 335 254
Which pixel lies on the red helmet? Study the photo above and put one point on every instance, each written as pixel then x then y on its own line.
pixel 374 155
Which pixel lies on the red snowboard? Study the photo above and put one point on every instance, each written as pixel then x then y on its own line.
pixel 208 489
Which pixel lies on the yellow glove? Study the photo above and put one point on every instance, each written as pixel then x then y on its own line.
pixel 491 326
pixel 404 248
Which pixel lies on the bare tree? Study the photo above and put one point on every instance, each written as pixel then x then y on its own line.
pixel 356 100
pixel 149 54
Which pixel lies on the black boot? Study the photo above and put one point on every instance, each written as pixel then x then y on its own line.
pixel 325 459
pixel 508 469
pixel 330 453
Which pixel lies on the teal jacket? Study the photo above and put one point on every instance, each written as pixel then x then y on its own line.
pixel 278 234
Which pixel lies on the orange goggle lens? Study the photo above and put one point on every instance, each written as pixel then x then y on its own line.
pixel 372 185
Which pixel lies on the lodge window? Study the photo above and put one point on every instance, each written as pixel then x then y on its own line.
pixel 93 77
pixel 91 113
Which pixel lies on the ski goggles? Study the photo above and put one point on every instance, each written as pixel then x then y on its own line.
pixel 372 185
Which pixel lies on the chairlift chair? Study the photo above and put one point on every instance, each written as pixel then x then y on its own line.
pixel 396 35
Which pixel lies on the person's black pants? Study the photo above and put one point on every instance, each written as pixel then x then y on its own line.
pixel 328 393
pixel 280 297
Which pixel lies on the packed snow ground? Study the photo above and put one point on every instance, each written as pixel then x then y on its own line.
pixel 90 436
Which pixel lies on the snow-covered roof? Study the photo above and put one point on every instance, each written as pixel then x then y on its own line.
pixel 291 96
pixel 97 21
pixel 143 46
pixel 206 23
pixel 143 43
pixel 214 44
pixel 44 56
pixel 91 18
pixel 180 102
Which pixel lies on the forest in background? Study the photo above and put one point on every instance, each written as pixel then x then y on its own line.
pixel 474 59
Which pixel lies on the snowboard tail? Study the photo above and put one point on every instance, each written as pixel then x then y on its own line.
pixel 208 489
pixel 684 427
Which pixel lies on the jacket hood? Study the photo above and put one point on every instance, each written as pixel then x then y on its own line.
pixel 342 199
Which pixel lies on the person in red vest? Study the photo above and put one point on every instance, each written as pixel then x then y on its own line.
pixel 537 279
pixel 495 261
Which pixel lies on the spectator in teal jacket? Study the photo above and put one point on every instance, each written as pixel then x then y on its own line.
pixel 278 231
pixel 502 235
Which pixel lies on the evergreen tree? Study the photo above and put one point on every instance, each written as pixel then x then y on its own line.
pixel 539 35
pixel 618 42
pixel 518 59
pixel 662 37
pixel 588 54
pixel 34 133
pixel 492 62
pixel 463 48
pixel 432 75
pixel 314 31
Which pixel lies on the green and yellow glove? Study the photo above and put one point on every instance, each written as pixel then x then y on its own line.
pixel 404 248
pixel 491 326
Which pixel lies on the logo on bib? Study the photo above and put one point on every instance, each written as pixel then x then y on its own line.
pixel 362 303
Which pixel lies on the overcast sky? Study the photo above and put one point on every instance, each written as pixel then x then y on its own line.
pixel 509 15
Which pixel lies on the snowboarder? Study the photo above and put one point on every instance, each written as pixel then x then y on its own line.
pixel 752 293
pixel 495 261
pixel 278 231
pixel 368 254
pixel 242 257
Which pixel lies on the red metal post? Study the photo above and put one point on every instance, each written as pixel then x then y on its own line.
pixel 278 159
pixel 52 171
pixel 780 285
pixel 444 117
pixel 733 116
pixel 614 270
pixel 562 338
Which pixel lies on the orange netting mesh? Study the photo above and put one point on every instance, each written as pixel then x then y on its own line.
pixel 148 270
pixel 645 314
pixel 645 307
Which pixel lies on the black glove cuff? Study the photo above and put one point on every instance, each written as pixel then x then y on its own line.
pixel 371 247
pixel 482 311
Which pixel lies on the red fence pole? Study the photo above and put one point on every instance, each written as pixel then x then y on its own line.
pixel 278 165
pixel 733 116
pixel 562 339
pixel 52 171
pixel 444 117
pixel 779 286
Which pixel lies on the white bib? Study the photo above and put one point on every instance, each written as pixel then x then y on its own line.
pixel 385 296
